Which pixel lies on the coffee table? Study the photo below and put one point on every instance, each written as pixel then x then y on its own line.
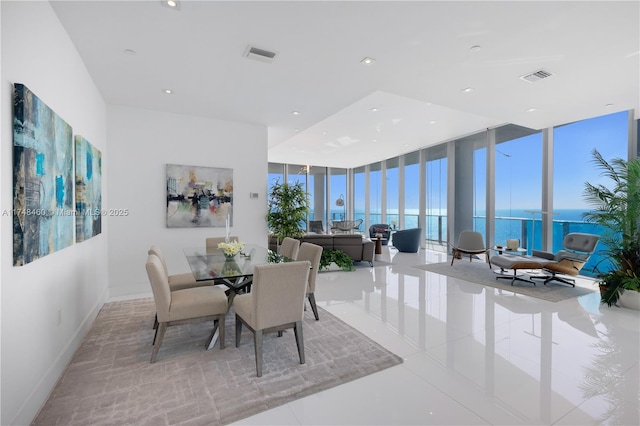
pixel 504 250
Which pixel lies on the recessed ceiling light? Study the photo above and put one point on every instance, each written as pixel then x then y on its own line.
pixel 433 122
pixel 295 112
pixel 171 4
pixel 367 61
pixel 130 52
pixel 296 130
pixel 374 140
pixel 467 90
pixel 167 91
pixel 532 109
pixel 374 109
pixel 608 105
pixel 475 48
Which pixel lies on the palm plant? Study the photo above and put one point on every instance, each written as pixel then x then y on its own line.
pixel 288 209
pixel 616 209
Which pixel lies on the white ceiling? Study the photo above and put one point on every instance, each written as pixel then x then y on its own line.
pixel 423 61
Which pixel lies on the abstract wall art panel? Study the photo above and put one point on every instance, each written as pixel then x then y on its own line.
pixel 43 211
pixel 199 196
pixel 88 190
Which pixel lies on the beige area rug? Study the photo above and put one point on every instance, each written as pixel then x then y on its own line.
pixel 111 382
pixel 479 273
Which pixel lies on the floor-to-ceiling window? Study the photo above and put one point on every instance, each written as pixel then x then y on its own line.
pixel 436 196
pixel 375 190
pixel 384 192
pixel 480 189
pixel 339 192
pixel 317 193
pixel 572 167
pixel 411 190
pixel 360 194
pixel 393 200
pixel 518 186
pixel 276 174
pixel 297 173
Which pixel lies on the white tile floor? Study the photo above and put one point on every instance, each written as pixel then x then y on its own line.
pixel 474 355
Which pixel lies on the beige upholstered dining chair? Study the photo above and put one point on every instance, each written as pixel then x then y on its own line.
pixel 176 281
pixel 312 253
pixel 211 243
pixel 184 306
pixel 289 247
pixel 471 243
pixel 276 303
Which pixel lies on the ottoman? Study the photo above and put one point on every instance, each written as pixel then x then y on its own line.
pixel 509 261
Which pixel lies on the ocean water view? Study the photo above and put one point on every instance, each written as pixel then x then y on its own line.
pixel 520 224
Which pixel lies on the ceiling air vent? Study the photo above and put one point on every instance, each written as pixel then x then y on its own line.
pixel 259 54
pixel 536 76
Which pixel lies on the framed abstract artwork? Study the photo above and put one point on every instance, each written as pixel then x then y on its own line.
pixel 88 190
pixel 199 196
pixel 43 211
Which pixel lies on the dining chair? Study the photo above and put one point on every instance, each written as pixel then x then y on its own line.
pixel 275 304
pixel 289 247
pixel 211 243
pixel 312 253
pixel 176 281
pixel 184 306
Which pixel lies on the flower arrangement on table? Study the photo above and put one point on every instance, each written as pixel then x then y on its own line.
pixel 230 249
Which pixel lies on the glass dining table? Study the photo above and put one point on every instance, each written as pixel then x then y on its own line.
pixel 236 273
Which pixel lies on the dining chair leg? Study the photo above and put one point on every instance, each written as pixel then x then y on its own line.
pixel 312 302
pixel 221 327
pixel 238 330
pixel 162 327
pixel 297 330
pixel 257 341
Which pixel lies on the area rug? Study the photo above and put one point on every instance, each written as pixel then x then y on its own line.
pixel 479 273
pixel 110 380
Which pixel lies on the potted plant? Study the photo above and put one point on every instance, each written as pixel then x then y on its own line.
pixel 338 257
pixel 617 212
pixel 288 209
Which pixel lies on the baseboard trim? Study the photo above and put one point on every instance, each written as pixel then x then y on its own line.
pixel 33 404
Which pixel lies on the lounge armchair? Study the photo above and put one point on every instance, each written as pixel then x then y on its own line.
pixel 471 243
pixel 576 250
pixel 407 240
pixel 316 226
pixel 380 228
pixel 346 226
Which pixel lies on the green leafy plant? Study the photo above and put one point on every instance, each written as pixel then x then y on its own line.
pixel 617 212
pixel 288 209
pixel 338 257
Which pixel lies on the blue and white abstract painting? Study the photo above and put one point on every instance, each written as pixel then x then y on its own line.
pixel 88 190
pixel 43 210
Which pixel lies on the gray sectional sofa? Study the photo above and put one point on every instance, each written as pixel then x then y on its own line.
pixel 358 248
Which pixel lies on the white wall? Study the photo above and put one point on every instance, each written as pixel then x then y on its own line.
pixel 47 305
pixel 141 143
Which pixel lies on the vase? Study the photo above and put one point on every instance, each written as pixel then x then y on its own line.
pixel 229 256
pixel 630 299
